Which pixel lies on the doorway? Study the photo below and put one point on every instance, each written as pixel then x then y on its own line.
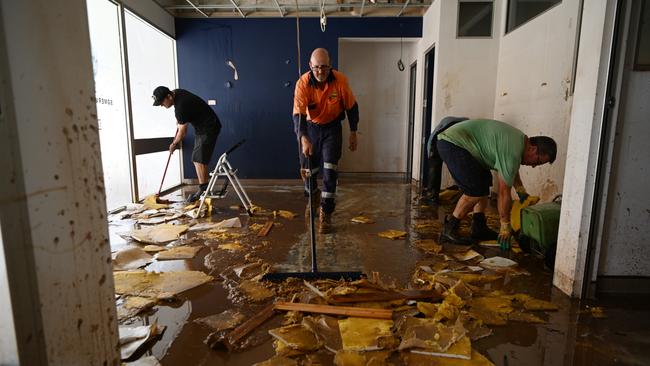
pixel 427 110
pixel 618 251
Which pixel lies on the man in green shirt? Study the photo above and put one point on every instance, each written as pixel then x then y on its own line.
pixel 471 149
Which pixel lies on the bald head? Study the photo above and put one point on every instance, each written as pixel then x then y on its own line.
pixel 319 63
pixel 320 56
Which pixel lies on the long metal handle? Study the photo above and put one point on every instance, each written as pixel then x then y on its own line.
pixel 240 143
pixel 314 268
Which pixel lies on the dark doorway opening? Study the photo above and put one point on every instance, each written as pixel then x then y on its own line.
pixel 427 109
pixel 411 122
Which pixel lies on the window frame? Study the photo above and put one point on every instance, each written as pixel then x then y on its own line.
pixel 636 66
pixel 491 2
pixel 507 31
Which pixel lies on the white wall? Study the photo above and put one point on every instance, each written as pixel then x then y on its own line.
pixel 465 70
pixel 533 87
pixel 378 85
pixel 53 210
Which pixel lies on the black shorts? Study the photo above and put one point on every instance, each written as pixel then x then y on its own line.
pixel 204 147
pixel 472 177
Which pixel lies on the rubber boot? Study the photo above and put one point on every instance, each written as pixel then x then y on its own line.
pixel 480 231
pixel 325 222
pixel 450 233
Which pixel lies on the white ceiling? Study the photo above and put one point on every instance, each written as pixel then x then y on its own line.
pixel 288 8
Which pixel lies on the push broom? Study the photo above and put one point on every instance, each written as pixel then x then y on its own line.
pixel 314 274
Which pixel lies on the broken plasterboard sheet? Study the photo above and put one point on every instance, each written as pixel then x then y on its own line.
pixel 462 349
pixel 133 305
pixel 228 223
pixel 285 214
pixel 204 226
pixel 431 335
pixel 153 248
pixel 365 334
pixel 222 321
pixel 428 245
pixel 327 331
pixel 498 262
pixel 132 257
pixel 184 252
pixel 353 358
pixel 278 361
pixel 468 255
pixel 281 349
pixel 255 291
pixel 158 285
pixel 132 338
pixel 158 234
pixel 393 234
pixel 250 270
pixel 150 202
pixel 413 359
pixel 297 337
pixel 362 220
pixel 144 361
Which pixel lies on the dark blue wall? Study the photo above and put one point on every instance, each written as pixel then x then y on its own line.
pixel 258 106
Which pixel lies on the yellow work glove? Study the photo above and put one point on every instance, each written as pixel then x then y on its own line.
pixel 505 235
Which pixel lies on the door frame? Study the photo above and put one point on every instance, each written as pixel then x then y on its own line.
pixel 427 111
pixel 411 121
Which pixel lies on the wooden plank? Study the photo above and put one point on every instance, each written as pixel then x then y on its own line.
pixel 386 296
pixel 336 310
pixel 229 340
pixel 264 231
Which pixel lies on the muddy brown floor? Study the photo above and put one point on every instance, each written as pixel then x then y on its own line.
pixel 572 336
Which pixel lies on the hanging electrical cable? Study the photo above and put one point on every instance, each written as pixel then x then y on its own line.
pixel 323 17
pixel 298 37
pixel 400 64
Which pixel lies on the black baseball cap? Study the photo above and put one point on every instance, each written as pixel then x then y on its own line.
pixel 159 95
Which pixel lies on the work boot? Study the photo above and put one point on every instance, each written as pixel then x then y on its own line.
pixel 197 195
pixel 480 231
pixel 450 233
pixel 194 196
pixel 325 222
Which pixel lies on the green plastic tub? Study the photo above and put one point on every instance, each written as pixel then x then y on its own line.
pixel 539 226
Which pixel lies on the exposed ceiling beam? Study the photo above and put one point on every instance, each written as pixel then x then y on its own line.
pixel 279 8
pixel 197 9
pixel 272 7
pixel 237 7
pixel 404 7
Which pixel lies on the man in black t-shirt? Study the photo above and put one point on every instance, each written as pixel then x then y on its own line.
pixel 191 108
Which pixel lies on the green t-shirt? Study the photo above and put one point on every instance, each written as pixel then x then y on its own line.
pixel 496 145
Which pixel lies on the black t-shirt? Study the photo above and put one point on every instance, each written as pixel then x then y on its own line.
pixel 191 108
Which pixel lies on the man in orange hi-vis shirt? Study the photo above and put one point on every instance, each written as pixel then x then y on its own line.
pixel 321 101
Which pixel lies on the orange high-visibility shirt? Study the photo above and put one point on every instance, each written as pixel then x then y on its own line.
pixel 325 105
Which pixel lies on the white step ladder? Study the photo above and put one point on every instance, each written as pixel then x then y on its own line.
pixel 226 171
